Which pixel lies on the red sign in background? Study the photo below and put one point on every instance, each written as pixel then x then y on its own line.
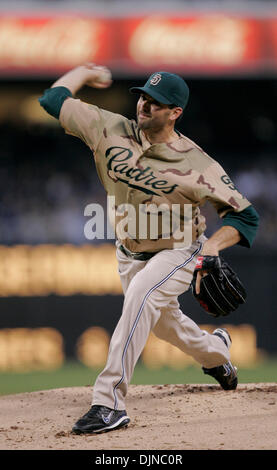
pixel 52 43
pixel 272 41
pixel 200 44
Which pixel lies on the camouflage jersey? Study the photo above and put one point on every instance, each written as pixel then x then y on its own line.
pixel 178 176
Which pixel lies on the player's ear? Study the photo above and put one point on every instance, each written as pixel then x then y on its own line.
pixel 176 113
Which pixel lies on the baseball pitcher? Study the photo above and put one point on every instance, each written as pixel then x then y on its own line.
pixel 146 164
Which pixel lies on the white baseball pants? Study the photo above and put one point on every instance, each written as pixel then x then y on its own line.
pixel 151 290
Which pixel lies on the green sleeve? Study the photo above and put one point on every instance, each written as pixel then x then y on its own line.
pixel 246 222
pixel 53 98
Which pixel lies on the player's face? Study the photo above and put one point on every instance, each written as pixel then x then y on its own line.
pixel 151 114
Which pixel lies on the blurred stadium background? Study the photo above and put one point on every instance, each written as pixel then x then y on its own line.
pixel 60 296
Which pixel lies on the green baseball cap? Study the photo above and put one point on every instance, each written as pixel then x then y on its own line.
pixel 166 88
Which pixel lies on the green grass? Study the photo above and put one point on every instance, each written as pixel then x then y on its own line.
pixel 75 374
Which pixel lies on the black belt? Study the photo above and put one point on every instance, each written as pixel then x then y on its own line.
pixel 143 256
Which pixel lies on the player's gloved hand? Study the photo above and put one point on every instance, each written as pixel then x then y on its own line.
pixel 220 291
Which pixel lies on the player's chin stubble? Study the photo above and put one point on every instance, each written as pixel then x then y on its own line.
pixel 144 123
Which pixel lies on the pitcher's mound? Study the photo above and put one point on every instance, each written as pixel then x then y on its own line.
pixel 163 417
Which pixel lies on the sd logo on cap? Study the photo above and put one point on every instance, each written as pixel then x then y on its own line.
pixel 166 88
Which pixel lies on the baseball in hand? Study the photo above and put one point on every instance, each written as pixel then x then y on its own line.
pixel 104 75
pixel 97 76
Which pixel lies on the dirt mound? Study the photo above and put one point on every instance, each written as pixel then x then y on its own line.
pixel 163 417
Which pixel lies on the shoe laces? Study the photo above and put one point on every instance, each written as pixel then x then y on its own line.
pixel 98 410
